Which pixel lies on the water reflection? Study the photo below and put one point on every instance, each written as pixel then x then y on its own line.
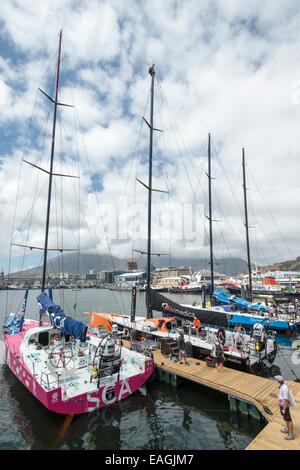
pixel 157 417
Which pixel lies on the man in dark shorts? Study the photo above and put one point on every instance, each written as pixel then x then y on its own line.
pixel 286 400
pixel 218 355
pixel 181 347
pixel 221 336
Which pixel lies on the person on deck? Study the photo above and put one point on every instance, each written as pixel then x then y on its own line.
pixel 218 355
pixel 197 325
pixel 221 336
pixel 237 338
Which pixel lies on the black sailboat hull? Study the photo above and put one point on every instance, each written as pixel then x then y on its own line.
pixel 206 316
pixel 215 319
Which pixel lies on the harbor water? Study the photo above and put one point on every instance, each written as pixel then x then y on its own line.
pixel 157 417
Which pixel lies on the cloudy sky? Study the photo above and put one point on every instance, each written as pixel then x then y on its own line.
pixel 229 68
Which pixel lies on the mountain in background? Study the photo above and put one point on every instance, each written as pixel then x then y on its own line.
pixel 292 265
pixel 73 264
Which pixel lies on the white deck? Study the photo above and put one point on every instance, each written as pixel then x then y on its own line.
pixel 141 324
pixel 75 377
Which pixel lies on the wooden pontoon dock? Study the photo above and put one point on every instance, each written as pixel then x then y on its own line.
pixel 247 393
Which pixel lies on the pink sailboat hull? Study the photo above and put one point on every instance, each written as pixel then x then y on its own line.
pixel 53 399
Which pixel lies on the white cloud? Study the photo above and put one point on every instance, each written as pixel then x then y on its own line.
pixel 225 67
pixel 4 94
pixel 93 32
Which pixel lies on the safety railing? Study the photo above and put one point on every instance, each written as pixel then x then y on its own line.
pixel 47 383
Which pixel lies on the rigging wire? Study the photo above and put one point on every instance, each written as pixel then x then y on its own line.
pixel 137 166
pixel 73 157
pixel 29 128
pixel 101 214
pixel 219 208
pixel 234 197
pixel 35 196
pixel 61 213
pixel 265 235
pixel 195 173
pixel 270 214
pixel 205 197
pixel 194 193
pixel 93 185
pixel 185 151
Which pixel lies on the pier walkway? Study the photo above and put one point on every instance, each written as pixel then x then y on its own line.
pixel 245 389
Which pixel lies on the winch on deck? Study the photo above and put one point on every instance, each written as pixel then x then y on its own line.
pixel 107 358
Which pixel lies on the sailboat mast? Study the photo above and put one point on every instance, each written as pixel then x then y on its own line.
pixel 149 310
pixel 51 165
pixel 210 217
pixel 247 227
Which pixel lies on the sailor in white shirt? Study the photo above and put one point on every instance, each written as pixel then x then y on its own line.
pixel 286 401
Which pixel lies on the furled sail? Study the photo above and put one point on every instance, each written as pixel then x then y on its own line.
pixel 59 320
pixel 162 304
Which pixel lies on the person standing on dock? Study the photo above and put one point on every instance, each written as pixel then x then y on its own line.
pixel 221 336
pixel 286 401
pixel 218 354
pixel 181 347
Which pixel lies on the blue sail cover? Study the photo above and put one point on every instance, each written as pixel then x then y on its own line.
pixel 243 304
pixel 14 323
pixel 249 320
pixel 59 320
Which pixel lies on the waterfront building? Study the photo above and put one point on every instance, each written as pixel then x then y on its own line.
pixel 132 266
pixel 90 277
pixel 131 279
pixel 172 276
pixel 171 272
pixel 275 278
pixel 109 277
pixel 169 282
pixel 204 276
pixel 284 276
